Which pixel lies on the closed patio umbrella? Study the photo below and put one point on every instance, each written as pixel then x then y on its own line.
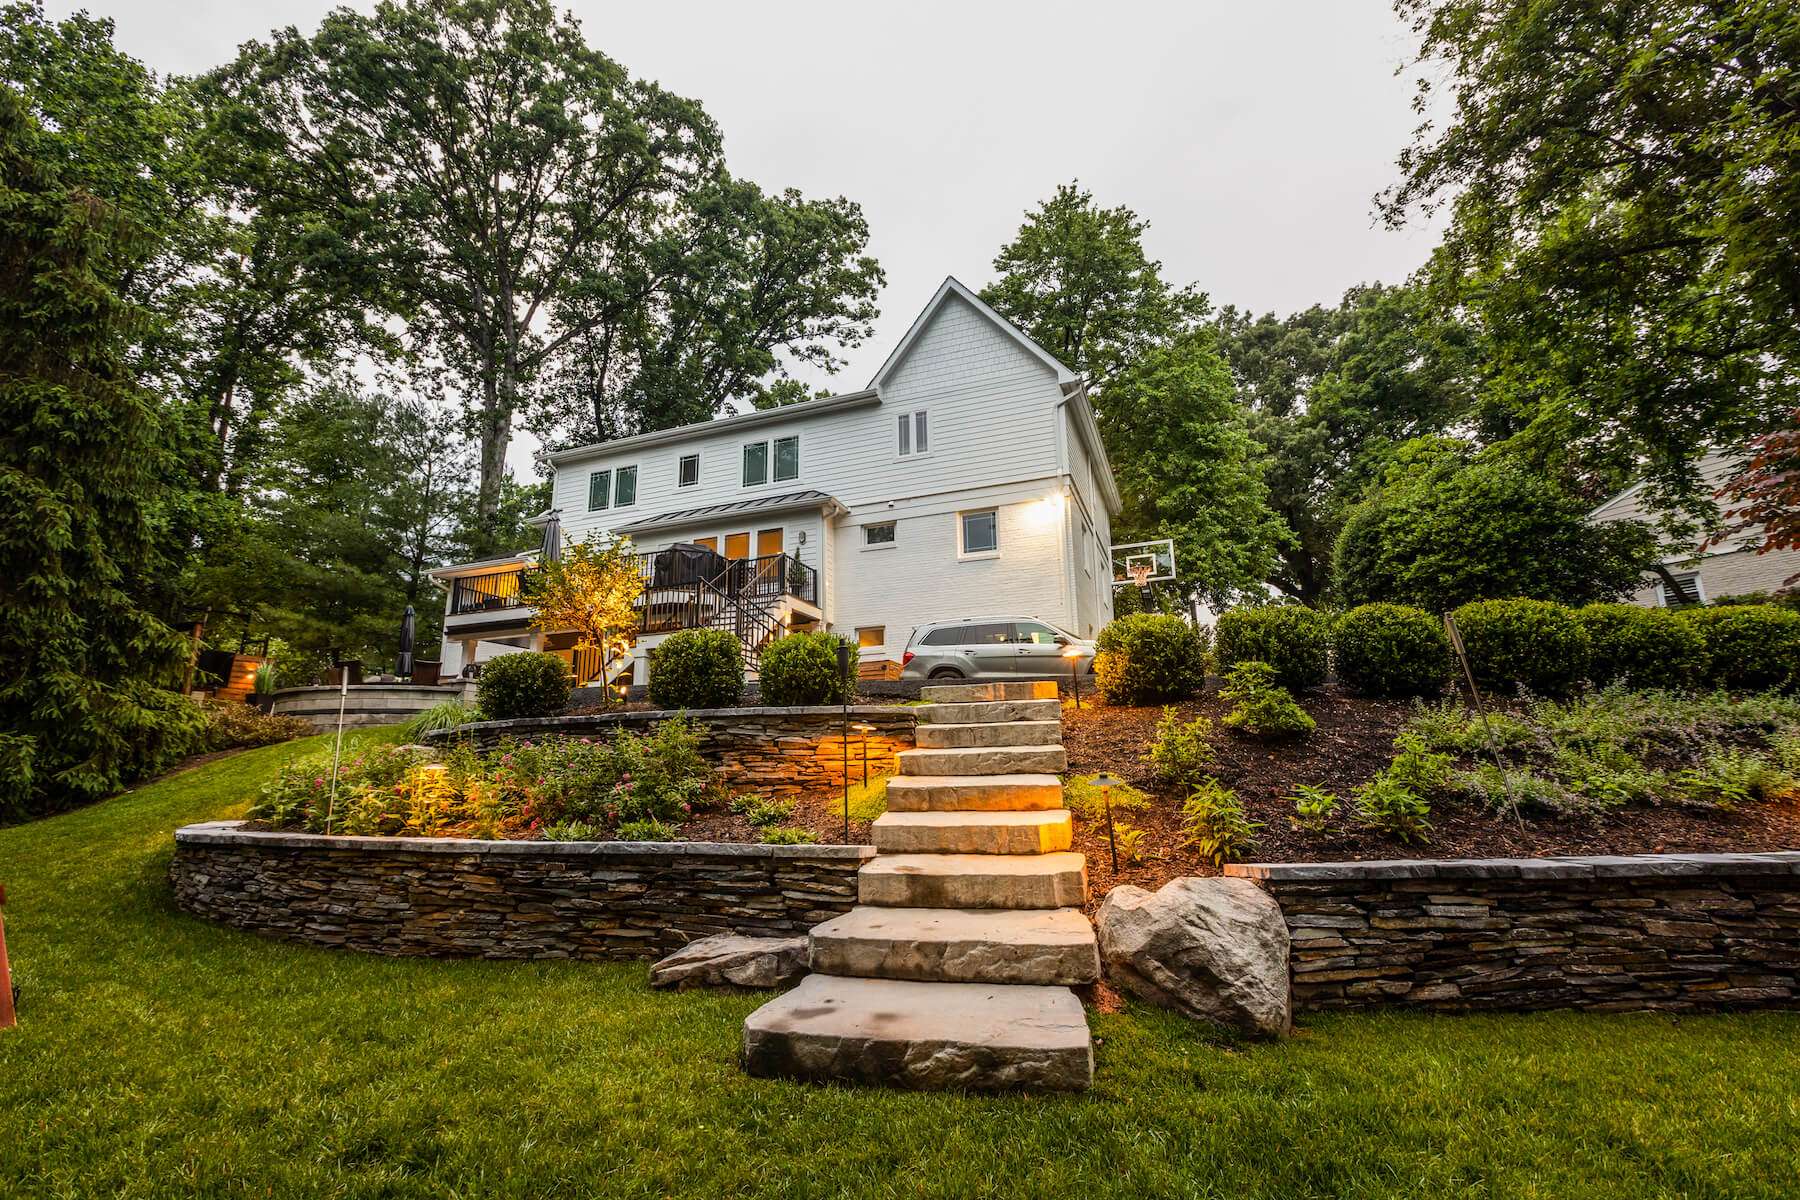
pixel 404 665
pixel 552 551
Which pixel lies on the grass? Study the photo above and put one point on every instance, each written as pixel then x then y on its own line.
pixel 163 1056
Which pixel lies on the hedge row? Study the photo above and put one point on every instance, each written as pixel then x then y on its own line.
pixel 1395 650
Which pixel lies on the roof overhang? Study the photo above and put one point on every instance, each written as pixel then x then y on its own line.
pixel 742 421
pixel 481 565
pixel 806 501
pixel 1088 429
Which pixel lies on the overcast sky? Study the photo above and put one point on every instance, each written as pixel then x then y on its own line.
pixel 1251 134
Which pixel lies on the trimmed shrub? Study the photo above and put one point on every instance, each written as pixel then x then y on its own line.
pixel 1533 644
pixel 523 685
pixel 1392 650
pixel 1749 647
pixel 802 668
pixel 1642 647
pixel 1289 638
pixel 1147 658
pixel 697 668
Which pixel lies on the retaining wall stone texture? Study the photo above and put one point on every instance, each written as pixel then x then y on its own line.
pixel 1676 932
pixel 452 897
pixel 777 751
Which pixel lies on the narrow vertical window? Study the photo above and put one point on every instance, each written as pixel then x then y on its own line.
pixel 921 443
pixel 787 458
pixel 756 463
pixel 599 488
pixel 905 433
pixel 687 473
pixel 624 487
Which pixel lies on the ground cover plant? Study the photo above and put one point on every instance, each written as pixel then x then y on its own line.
pixel 162 1056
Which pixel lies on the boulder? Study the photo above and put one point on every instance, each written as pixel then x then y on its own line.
pixel 1215 949
pixel 726 958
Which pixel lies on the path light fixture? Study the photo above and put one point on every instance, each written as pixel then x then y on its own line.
pixel 864 728
pixel 843 666
pixel 1073 654
pixel 1106 783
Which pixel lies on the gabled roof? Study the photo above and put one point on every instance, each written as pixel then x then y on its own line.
pixel 786 502
pixel 954 287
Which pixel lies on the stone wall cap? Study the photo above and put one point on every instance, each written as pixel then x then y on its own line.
pixel 900 713
pixel 1607 866
pixel 233 833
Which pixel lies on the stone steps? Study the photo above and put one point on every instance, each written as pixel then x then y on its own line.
pixel 988 734
pixel 1041 832
pixel 1057 880
pixel 981 711
pixel 980 793
pixel 1049 946
pixel 904 1033
pixel 974 693
pixel 985 760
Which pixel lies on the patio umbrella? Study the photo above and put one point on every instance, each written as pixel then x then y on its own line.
pixel 553 537
pixel 403 666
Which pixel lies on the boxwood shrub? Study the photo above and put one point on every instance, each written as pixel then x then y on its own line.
pixel 1147 658
pixel 1749 647
pixel 1534 644
pixel 1642 647
pixel 1392 650
pixel 523 685
pixel 1291 639
pixel 802 668
pixel 697 668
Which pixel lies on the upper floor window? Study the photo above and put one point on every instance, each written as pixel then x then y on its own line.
pixel 980 532
pixel 915 437
pixel 787 458
pixel 687 471
pixel 756 463
pixel 612 488
pixel 787 461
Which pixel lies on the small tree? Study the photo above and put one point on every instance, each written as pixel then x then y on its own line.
pixel 593 589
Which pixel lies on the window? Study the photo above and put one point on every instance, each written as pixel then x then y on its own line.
pixel 787 458
pixel 756 463
pixel 980 532
pixel 871 635
pixel 1037 633
pixel 915 438
pixel 599 490
pixel 687 471
pixel 879 535
pixel 612 488
pixel 1687 590
pixel 624 487
pixel 994 633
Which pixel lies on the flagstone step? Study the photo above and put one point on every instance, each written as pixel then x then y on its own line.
pixel 976 793
pixel 903 1033
pixel 996 733
pixel 959 945
pixel 984 760
pixel 1056 880
pixel 982 711
pixel 973 832
pixel 969 693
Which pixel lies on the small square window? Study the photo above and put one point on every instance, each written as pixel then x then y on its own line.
pixel 869 636
pixel 599 489
pixel 687 471
pixel 879 535
pixel 980 532
pixel 624 487
pixel 756 463
pixel 914 438
pixel 787 458
pixel 1686 592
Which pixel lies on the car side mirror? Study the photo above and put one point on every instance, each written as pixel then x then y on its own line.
pixel 1061 640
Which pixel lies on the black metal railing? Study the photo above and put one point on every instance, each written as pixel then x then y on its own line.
pixel 488 592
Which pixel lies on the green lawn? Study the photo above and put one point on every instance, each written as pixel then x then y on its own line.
pixel 162 1056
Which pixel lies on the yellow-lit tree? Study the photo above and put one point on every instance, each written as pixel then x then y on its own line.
pixel 592 589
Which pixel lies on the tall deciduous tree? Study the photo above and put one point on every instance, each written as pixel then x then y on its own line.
pixel 1623 182
pixel 82 702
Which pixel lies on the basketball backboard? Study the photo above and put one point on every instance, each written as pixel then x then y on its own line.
pixel 1143 563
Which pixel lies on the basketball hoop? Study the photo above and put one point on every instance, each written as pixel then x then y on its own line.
pixel 1140 574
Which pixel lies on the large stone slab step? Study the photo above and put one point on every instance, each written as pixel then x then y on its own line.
pixel 979 793
pixel 974 880
pixel 959 945
pixel 968 693
pixel 996 733
pixel 930 1036
pixel 984 760
pixel 1040 832
pixel 983 711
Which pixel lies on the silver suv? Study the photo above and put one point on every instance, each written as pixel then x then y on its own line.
pixel 993 648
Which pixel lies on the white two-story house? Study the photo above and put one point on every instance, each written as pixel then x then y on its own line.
pixel 967 479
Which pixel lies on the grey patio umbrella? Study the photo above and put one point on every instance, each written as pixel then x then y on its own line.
pixel 403 666
pixel 552 551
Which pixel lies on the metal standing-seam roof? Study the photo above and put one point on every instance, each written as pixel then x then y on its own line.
pixel 786 502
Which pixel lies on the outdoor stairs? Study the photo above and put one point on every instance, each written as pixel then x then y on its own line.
pixel 954 969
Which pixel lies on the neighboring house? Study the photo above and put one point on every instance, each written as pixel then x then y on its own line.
pixel 1699 576
pixel 968 478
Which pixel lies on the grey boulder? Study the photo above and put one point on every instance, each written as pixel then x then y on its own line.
pixel 727 959
pixel 1215 949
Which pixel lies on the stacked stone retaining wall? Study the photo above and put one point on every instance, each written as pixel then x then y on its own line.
pixel 367 703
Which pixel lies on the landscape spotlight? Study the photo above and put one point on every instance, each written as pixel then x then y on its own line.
pixel 1073 654
pixel 1106 783
pixel 864 728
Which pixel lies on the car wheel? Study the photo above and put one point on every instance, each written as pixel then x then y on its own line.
pixel 947 673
